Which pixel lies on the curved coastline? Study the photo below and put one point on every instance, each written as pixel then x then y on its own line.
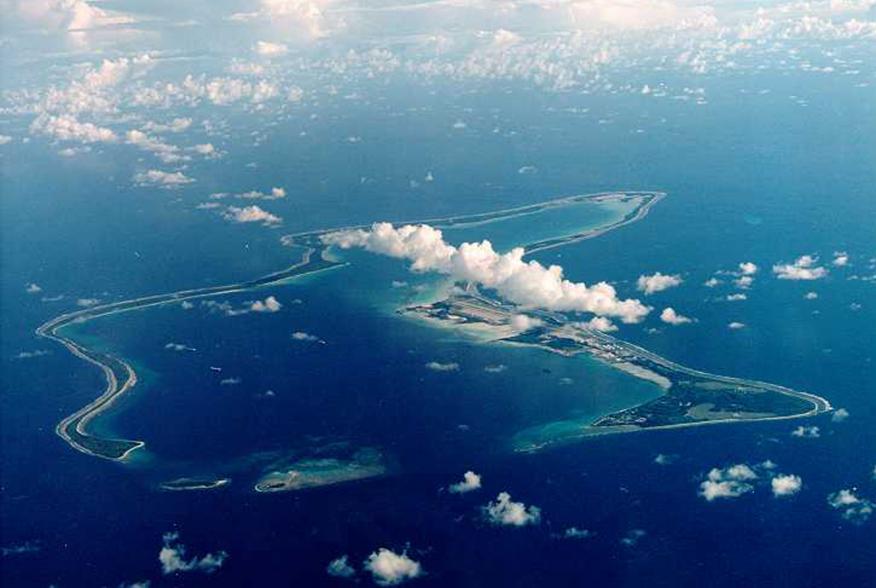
pixel 121 377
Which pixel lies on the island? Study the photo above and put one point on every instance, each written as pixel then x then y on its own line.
pixel 689 398
pixel 323 471
pixel 182 484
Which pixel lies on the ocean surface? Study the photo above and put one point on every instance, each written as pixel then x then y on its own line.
pixel 754 178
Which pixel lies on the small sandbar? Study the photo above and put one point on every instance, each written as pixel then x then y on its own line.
pixel 183 484
pixel 644 374
pixel 313 473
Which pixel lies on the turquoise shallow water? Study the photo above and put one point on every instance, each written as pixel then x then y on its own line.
pixel 746 181
pixel 230 362
pixel 551 223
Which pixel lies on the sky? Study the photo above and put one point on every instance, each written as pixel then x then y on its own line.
pixel 122 75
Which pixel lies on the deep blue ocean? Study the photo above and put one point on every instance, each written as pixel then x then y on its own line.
pixel 749 176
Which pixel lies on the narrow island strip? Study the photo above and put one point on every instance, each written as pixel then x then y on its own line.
pixel 689 398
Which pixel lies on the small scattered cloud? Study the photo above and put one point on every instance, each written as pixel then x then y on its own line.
pixel 811 296
pixel 33 288
pixel 840 258
pixel 786 485
pixel 657 282
pixel 161 179
pixel 251 214
pixel 305 337
pixel 177 125
pixel 736 325
pixel 178 347
pixel 505 511
pixel 576 533
pixel 26 548
pixel 743 282
pixel 437 366
pixel 267 49
pixel 730 482
pixel 740 479
pixel 665 459
pixel 340 568
pixel 853 507
pixel 748 268
pixel 470 482
pixel 390 569
pixel 670 316
pixel 803 268
pixel 173 558
pixel 166 152
pixel 497 368
pixel 711 282
pixel 67 127
pixel 87 302
pixel 738 297
pixel 31 354
pixel 806 432
pixel 632 538
pixel 839 415
pixel 269 304
pixel 276 193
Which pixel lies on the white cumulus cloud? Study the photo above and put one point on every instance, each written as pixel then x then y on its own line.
pixel 803 268
pixel 526 283
pixel 854 508
pixel 786 485
pixel 173 558
pixel 389 568
pixel 730 482
pixel 670 316
pixel 340 568
pixel 505 511
pixel 657 282
pixel 470 482
pixel 162 179
pixel 269 304
pixel 251 214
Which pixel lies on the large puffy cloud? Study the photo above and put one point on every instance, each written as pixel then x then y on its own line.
pixel 505 511
pixel 389 568
pixel 803 268
pixel 526 283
